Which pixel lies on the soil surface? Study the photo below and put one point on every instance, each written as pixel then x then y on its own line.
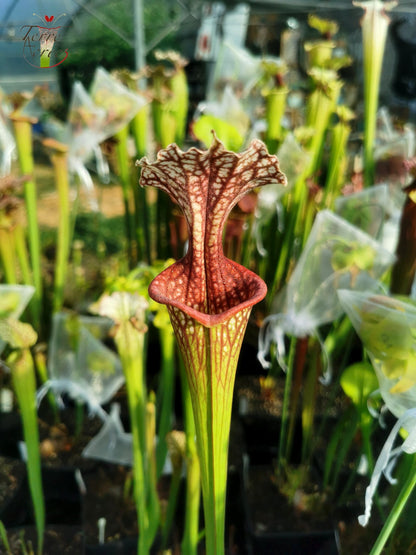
pixel 58 540
pixel 12 473
pixel 271 511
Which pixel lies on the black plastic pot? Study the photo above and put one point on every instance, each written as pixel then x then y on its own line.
pixel 10 434
pixel 116 547
pixel 123 546
pixel 404 80
pixel 57 539
pixel 295 543
pixel 63 502
pixel 261 435
pixel 316 539
pixel 63 498
pixel 61 491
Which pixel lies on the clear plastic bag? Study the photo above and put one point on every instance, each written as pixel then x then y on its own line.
pixel 7 148
pixel 393 148
pixel 85 131
pixel 337 255
pixel 293 158
pixel 85 122
pixel 79 363
pixel 390 141
pixel 367 209
pixel 376 210
pixel 387 328
pixel 7 142
pixel 241 71
pixel 226 116
pixel 112 444
pixel 119 103
pixel 81 132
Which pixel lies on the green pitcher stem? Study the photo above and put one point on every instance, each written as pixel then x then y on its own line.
pixel 153 506
pixel 212 412
pixel 130 346
pixel 23 135
pixel 179 87
pixel 60 165
pixel 151 196
pixel 63 245
pixel 139 127
pixel 190 539
pixel 286 247
pixel 275 109
pixel 167 340
pixel 395 513
pixel 24 382
pixel 309 402
pixel 7 255
pixel 141 225
pixel 369 136
pixel 22 254
pixel 372 73
pixel 340 135
pixel 211 360
pixel 283 455
pixel 320 112
pixel 171 508
pixel 123 161
pixel 189 545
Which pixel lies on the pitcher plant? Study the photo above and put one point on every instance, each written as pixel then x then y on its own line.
pixel 209 297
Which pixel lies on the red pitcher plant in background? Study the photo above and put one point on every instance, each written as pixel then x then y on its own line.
pixel 209 297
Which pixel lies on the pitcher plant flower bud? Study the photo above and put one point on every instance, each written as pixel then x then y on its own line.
pixel 208 296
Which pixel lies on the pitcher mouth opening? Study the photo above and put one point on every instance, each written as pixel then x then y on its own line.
pixel 249 292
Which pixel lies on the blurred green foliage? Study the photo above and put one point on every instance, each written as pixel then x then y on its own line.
pixel 108 26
